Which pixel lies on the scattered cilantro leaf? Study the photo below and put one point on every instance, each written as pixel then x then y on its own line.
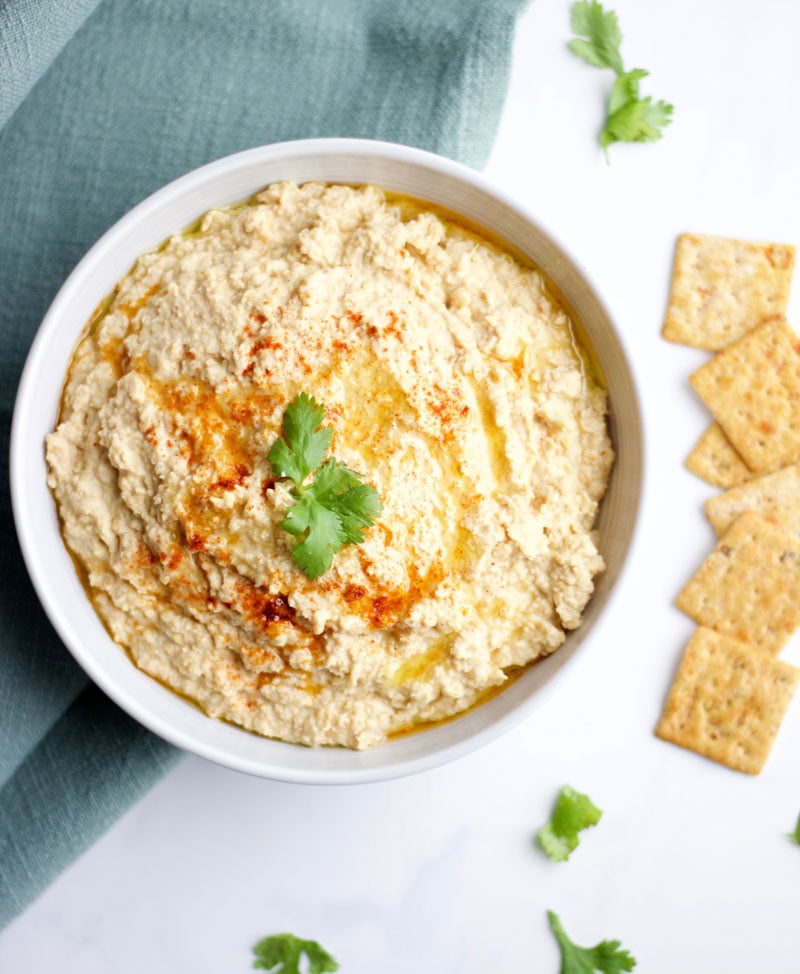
pixel 625 89
pixel 636 121
pixel 599 36
pixel 335 506
pixel 605 957
pixel 629 117
pixel 795 836
pixel 572 813
pixel 283 952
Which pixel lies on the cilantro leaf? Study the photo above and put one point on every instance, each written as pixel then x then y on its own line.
pixel 795 836
pixel 323 536
pixel 334 508
pixel 333 479
pixel 282 953
pixel 605 957
pixel 629 117
pixel 572 813
pixel 599 36
pixel 625 89
pixel 340 489
pixel 304 441
pixel 636 121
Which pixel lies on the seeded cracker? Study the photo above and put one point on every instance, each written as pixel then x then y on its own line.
pixel 727 701
pixel 714 460
pixel 749 586
pixel 775 497
pixel 753 391
pixel 722 288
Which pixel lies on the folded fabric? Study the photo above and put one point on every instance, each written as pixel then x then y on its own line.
pixel 102 102
pixel 32 34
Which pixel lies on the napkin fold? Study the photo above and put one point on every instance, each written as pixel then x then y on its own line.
pixel 32 35
pixel 102 102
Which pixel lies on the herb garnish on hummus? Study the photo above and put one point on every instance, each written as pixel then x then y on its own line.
pixel 451 378
pixel 335 507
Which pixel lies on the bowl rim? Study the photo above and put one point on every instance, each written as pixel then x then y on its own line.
pixel 354 771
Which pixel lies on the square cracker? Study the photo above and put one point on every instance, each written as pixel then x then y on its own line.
pixel 721 288
pixel 714 460
pixel 753 391
pixel 749 586
pixel 775 497
pixel 727 701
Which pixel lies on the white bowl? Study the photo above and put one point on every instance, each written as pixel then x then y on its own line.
pixel 395 168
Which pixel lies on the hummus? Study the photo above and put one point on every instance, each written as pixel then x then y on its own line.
pixel 454 385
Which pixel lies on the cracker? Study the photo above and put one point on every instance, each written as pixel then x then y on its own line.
pixel 727 701
pixel 753 391
pixel 714 460
pixel 721 288
pixel 749 586
pixel 775 497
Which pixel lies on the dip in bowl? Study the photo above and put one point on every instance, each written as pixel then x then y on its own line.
pixel 452 380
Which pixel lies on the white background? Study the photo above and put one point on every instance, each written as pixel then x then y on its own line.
pixel 690 866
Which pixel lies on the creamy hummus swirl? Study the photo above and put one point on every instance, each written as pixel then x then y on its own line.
pixel 454 386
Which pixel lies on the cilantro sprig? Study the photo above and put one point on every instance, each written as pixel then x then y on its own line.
pixel 282 952
pixel 605 957
pixel 573 812
pixel 334 507
pixel 629 117
pixel 795 836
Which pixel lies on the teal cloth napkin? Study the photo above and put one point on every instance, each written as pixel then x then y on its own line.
pixel 100 104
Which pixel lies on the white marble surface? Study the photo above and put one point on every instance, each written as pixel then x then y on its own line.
pixel 690 867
